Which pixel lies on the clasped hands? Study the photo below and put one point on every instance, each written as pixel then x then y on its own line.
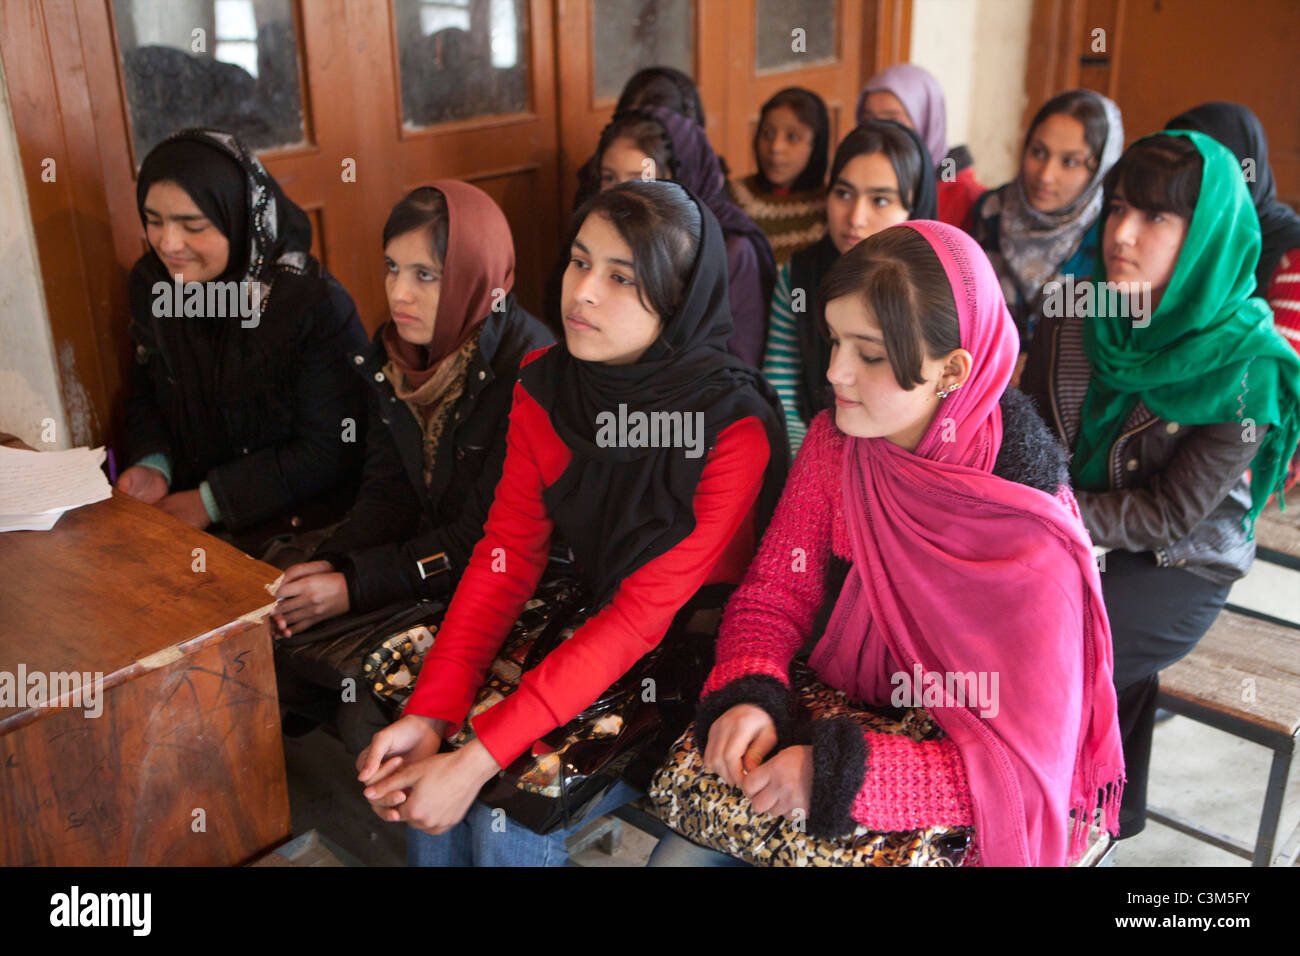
pixel 406 779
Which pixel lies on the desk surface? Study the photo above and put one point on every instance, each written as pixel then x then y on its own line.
pixel 113 588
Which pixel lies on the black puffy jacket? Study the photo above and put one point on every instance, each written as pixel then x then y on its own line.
pixel 269 433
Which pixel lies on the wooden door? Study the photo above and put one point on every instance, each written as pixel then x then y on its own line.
pixel 1157 58
pixel 828 47
pixel 333 122
pixel 350 103
pixel 603 42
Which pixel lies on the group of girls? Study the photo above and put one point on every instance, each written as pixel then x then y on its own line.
pixel 943 518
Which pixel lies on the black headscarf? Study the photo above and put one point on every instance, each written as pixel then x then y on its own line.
pixel 218 173
pixel 210 357
pixel 1237 128
pixel 619 508
pixel 809 265
pixel 813 175
pixel 666 87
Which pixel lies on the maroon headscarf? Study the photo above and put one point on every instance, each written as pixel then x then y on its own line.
pixel 958 571
pixel 477 272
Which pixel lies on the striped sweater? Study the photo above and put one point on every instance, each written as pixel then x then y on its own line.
pixel 781 364
pixel 790 221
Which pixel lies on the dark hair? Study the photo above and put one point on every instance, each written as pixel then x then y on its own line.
pixel 661 224
pixel 891 139
pixel 420 209
pixel 1082 106
pixel 809 109
pixel 1158 173
pixel 662 86
pixel 648 134
pixel 900 278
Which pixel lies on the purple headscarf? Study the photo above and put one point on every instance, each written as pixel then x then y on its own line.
pixel 921 96
pixel 696 166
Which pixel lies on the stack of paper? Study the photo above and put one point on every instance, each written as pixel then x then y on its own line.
pixel 36 487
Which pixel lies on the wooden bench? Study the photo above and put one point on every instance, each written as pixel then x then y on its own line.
pixel 1243 678
pixel 1277 533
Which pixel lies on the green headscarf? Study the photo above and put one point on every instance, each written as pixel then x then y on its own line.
pixel 1209 355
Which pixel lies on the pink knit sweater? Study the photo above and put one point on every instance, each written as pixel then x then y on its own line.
pixel 907 785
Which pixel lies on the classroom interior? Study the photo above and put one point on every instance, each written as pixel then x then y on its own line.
pixel 335 99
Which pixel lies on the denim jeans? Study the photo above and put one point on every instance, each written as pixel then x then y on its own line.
pixel 676 850
pixel 487 837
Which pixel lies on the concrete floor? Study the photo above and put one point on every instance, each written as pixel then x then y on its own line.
pixel 1202 774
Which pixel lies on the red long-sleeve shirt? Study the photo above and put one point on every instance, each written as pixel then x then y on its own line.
pixel 516 541
pixel 1284 297
pixel 957 197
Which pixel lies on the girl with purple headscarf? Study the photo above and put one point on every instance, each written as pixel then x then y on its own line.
pixel 910 95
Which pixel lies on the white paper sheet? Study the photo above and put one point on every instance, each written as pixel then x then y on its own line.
pixel 36 487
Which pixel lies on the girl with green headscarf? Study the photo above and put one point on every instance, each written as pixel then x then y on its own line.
pixel 1181 404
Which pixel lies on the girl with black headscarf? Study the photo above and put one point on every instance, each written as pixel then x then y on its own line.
pixel 882 175
pixel 241 411
pixel 646 323
pixel 1277 277
pixel 787 195
pixel 656 143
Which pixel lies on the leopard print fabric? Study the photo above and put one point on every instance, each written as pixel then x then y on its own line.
pixel 703 808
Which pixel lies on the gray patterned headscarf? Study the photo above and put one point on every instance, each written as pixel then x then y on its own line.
pixel 1035 244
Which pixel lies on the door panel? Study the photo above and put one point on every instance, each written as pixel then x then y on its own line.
pixel 1156 59
pixel 485 80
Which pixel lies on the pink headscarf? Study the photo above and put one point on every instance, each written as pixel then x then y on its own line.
pixel 960 571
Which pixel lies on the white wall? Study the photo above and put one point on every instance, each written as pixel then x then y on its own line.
pixel 29 380
pixel 978 51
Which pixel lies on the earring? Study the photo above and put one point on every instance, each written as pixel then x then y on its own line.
pixel 945 392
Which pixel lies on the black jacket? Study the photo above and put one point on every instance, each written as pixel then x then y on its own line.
pixel 396 521
pixel 1178 491
pixel 275 449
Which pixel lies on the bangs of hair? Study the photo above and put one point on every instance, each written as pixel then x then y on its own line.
pixel 661 225
pixel 898 276
pixel 882 136
pixel 421 209
pixel 1158 174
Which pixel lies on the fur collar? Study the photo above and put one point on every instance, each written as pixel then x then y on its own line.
pixel 1030 453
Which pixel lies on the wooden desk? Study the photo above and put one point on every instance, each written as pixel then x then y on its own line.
pixel 184 765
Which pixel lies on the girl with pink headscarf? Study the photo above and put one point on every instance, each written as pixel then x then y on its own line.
pixel 933 528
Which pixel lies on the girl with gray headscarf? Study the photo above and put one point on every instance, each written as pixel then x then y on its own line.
pixel 1042 227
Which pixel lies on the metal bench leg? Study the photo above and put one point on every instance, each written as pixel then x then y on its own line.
pixel 1277 775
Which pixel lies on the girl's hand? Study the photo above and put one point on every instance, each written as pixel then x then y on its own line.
pixel 434 794
pixel 738 742
pixel 783 785
pixel 409 739
pixel 143 483
pixel 188 506
pixel 309 593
